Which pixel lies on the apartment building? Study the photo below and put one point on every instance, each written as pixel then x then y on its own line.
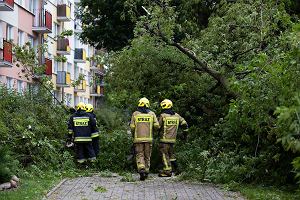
pixel 50 22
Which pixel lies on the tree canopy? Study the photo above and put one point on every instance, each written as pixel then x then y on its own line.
pixel 232 71
pixel 110 24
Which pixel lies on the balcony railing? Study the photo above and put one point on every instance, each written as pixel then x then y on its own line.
pixel 97 91
pixel 63 46
pixel 6 56
pixel 63 12
pixel 80 55
pixel 63 79
pixel 42 22
pixel 81 87
pixel 48 64
pixel 98 69
pixel 7 5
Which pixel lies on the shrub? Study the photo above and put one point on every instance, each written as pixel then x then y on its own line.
pixel 33 127
pixel 8 165
pixel 109 118
pixel 115 148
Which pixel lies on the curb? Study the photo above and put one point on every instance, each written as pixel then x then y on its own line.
pixel 53 189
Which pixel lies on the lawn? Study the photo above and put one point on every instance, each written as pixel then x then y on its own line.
pixel 31 187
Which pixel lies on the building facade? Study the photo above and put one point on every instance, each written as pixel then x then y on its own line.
pixel 51 23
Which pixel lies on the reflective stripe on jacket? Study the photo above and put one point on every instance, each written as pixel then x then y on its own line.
pixel 142 125
pixel 82 125
pixel 170 124
pixel 96 132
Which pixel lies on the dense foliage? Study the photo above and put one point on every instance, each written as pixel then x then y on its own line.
pixel 114 21
pixel 31 131
pixel 235 81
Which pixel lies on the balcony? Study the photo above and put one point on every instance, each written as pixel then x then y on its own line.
pixel 48 64
pixel 98 69
pixel 97 91
pixel 63 13
pixel 6 54
pixel 81 87
pixel 7 5
pixel 63 47
pixel 80 55
pixel 63 79
pixel 42 22
pixel 47 70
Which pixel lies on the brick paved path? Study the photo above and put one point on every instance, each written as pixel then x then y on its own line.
pixel 95 187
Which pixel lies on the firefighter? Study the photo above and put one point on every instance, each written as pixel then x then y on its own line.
pixel 143 121
pixel 169 122
pixel 81 125
pixel 95 134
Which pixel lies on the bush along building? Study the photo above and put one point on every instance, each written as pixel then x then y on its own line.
pixel 75 75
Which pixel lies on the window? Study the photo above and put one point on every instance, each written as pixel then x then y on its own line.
pixel 20 86
pixel 69 69
pixel 30 7
pixel 9 83
pixel 35 42
pixel 55 30
pixel 89 78
pixel 20 2
pixel 68 99
pixel 20 38
pixel 76 72
pixel 9 33
pixel 55 66
pixel 31 41
pixel 76 100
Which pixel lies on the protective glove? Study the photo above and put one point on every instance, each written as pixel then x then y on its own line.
pixel 69 144
pixel 185 134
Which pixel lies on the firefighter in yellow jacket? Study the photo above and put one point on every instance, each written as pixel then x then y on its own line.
pixel 169 122
pixel 143 121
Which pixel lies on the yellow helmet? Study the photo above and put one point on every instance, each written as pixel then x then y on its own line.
pixel 144 102
pixel 166 104
pixel 80 105
pixel 89 107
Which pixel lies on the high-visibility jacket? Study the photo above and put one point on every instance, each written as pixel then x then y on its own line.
pixel 81 125
pixel 169 124
pixel 142 125
pixel 96 132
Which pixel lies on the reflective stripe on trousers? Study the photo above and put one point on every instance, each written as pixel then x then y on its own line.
pixel 143 155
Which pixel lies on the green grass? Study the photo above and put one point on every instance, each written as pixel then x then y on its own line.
pixel 31 188
pixel 256 192
pixel 127 177
pixel 100 189
pixel 268 193
pixel 36 183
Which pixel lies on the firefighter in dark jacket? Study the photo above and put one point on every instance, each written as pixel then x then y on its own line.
pixel 81 125
pixel 169 122
pixel 143 121
pixel 95 134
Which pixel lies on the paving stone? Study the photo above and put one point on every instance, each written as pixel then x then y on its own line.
pixel 154 188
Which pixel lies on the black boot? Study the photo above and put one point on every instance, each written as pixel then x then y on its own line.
pixel 142 175
pixel 165 174
pixel 175 167
pixel 146 175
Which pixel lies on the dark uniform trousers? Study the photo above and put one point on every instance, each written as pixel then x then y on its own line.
pixel 143 155
pixel 83 148
pixel 95 144
pixel 167 155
